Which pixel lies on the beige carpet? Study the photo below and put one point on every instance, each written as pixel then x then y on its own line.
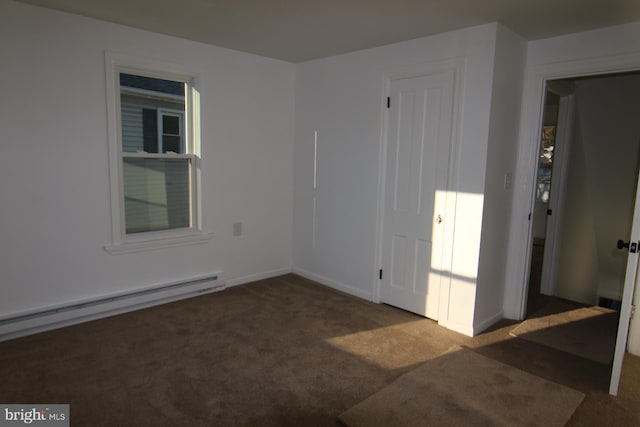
pixel 281 352
pixel 463 388
pixel 588 332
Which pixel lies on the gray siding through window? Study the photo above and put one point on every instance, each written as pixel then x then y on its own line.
pixel 132 135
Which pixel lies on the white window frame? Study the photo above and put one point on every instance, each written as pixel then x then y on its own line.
pixel 121 242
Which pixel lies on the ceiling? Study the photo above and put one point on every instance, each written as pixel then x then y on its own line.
pixel 299 30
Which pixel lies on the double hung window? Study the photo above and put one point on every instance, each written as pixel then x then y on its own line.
pixel 155 159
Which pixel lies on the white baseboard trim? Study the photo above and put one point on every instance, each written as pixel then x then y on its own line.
pixel 612 295
pixel 74 312
pixel 255 277
pixel 473 329
pixel 457 327
pixel 480 327
pixel 334 284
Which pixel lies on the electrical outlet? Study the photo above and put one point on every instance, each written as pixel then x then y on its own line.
pixel 237 228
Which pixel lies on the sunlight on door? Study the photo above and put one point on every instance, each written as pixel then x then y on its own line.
pixel 418 153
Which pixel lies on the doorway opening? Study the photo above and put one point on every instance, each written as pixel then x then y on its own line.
pixel 585 196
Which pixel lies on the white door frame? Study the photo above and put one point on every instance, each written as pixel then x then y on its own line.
pixel 458 66
pixel 521 237
pixel 558 187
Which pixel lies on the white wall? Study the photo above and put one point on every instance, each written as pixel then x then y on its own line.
pixel 604 50
pixel 341 98
pixel 577 254
pixel 54 173
pixel 601 188
pixel 54 166
pixel 501 163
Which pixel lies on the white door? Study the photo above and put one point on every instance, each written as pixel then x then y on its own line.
pixel 418 145
pixel 630 278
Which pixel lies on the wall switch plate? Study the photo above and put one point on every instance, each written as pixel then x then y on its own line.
pixel 237 228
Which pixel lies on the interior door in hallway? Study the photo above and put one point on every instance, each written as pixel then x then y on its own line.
pixel 419 136
pixel 626 312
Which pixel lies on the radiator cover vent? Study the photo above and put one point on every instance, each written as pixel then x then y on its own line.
pixel 56 317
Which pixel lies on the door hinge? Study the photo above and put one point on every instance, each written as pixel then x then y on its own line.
pixel 380 274
pixel 633 311
pixel 529 216
pixel 549 211
pixel 388 102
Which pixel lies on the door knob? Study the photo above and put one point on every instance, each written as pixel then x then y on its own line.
pixel 633 246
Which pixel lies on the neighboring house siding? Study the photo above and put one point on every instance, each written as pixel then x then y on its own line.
pixel 139 121
pixel 132 136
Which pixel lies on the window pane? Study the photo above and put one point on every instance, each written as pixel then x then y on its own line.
pixel 171 125
pixel 171 143
pixel 156 194
pixel 152 84
pixel 142 99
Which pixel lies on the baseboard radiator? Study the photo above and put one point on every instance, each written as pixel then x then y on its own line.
pixel 78 312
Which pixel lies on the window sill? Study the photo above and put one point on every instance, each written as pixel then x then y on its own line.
pixel 194 238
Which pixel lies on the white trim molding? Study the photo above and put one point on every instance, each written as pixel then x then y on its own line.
pixel 333 284
pixel 486 323
pixel 160 240
pixel 122 243
pixel 258 276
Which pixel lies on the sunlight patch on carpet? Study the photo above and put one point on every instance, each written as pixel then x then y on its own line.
pixel 588 332
pixel 376 346
pixel 463 388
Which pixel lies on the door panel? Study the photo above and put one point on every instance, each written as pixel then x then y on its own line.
pixel 630 279
pixel 398 257
pixel 418 145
